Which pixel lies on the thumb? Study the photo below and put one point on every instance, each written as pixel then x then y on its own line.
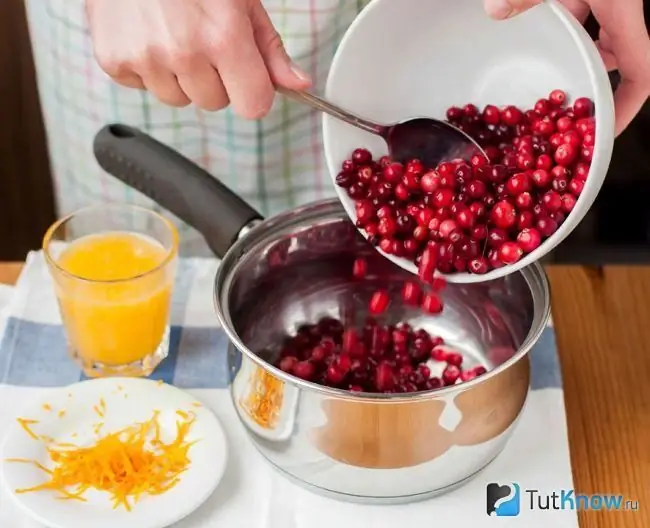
pixel 502 9
pixel 283 71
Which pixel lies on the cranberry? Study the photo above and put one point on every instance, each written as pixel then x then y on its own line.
pixel 564 124
pixel 361 156
pixel 547 226
pixel 411 293
pixel 379 302
pixel 525 219
pixel 428 264
pixel 479 266
pixel 443 197
pixel 504 215
pixel 431 303
pixel 541 178
pixel 529 239
pixel 524 201
pixel 542 107
pixel 557 97
pixel 384 377
pixel 454 358
pixel 476 189
pixel 304 370
pixel 288 363
pixel 491 115
pixel 568 202
pixel 566 154
pixel 583 107
pixel 511 115
pixel 393 172
pixel 518 184
pixel 576 186
pixel 510 252
pixel 552 201
pixel 360 268
pixel 450 375
pixel 454 113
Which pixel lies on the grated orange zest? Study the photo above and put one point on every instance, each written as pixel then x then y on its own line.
pixel 47 407
pixel 124 464
pixel 25 423
pixel 62 413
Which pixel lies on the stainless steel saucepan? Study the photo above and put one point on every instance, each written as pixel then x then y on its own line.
pixel 279 273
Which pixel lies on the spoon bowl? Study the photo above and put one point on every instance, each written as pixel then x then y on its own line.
pixel 426 139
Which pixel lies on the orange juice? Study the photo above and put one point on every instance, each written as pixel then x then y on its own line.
pixel 115 296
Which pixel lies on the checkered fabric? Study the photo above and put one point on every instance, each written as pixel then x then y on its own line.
pixel 275 163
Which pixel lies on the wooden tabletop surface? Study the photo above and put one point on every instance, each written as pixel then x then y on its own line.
pixel 602 320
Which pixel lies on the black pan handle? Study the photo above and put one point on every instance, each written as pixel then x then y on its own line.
pixel 174 182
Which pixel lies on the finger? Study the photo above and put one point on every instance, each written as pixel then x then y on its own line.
pixel 204 87
pixel 608 58
pixel 130 81
pixel 627 39
pixel 282 69
pixel 164 85
pixel 628 100
pixel 604 45
pixel 502 9
pixel 233 51
pixel 578 8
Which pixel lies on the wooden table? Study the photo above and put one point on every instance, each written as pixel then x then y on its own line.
pixel 602 320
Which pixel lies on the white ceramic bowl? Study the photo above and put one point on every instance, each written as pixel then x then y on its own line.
pixel 414 58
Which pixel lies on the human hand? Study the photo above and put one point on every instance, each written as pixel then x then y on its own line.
pixel 623 44
pixel 209 52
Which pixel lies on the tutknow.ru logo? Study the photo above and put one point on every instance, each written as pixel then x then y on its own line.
pixel 507 500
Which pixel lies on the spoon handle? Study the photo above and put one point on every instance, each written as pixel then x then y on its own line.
pixel 325 106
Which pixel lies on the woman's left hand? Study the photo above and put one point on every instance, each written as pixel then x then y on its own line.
pixel 623 44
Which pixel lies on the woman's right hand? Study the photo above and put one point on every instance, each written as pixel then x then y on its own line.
pixel 208 52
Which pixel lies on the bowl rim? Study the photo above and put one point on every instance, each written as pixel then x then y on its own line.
pixel 603 108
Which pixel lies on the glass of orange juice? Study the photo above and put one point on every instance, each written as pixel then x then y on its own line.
pixel 113 268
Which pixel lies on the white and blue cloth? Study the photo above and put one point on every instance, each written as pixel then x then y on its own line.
pixel 33 358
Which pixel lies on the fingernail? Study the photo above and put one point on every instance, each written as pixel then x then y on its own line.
pixel 499 9
pixel 298 72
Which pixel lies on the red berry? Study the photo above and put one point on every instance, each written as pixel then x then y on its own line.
pixel 360 268
pixel 431 303
pixel 510 252
pixel 411 293
pixel 379 302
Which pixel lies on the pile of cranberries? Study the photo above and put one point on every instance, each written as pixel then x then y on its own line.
pixel 377 358
pixel 486 212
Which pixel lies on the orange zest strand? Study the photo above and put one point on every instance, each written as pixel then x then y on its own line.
pixel 125 464
pixel 25 424
pixel 265 399
pixel 32 462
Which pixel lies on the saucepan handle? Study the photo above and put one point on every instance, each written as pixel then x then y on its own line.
pixel 174 182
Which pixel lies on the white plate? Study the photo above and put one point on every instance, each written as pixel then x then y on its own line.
pixel 127 401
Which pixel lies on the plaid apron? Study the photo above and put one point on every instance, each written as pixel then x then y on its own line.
pixel 275 164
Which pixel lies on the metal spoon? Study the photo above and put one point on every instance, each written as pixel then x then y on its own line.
pixel 429 140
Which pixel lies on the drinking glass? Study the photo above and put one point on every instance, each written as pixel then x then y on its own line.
pixel 113 269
